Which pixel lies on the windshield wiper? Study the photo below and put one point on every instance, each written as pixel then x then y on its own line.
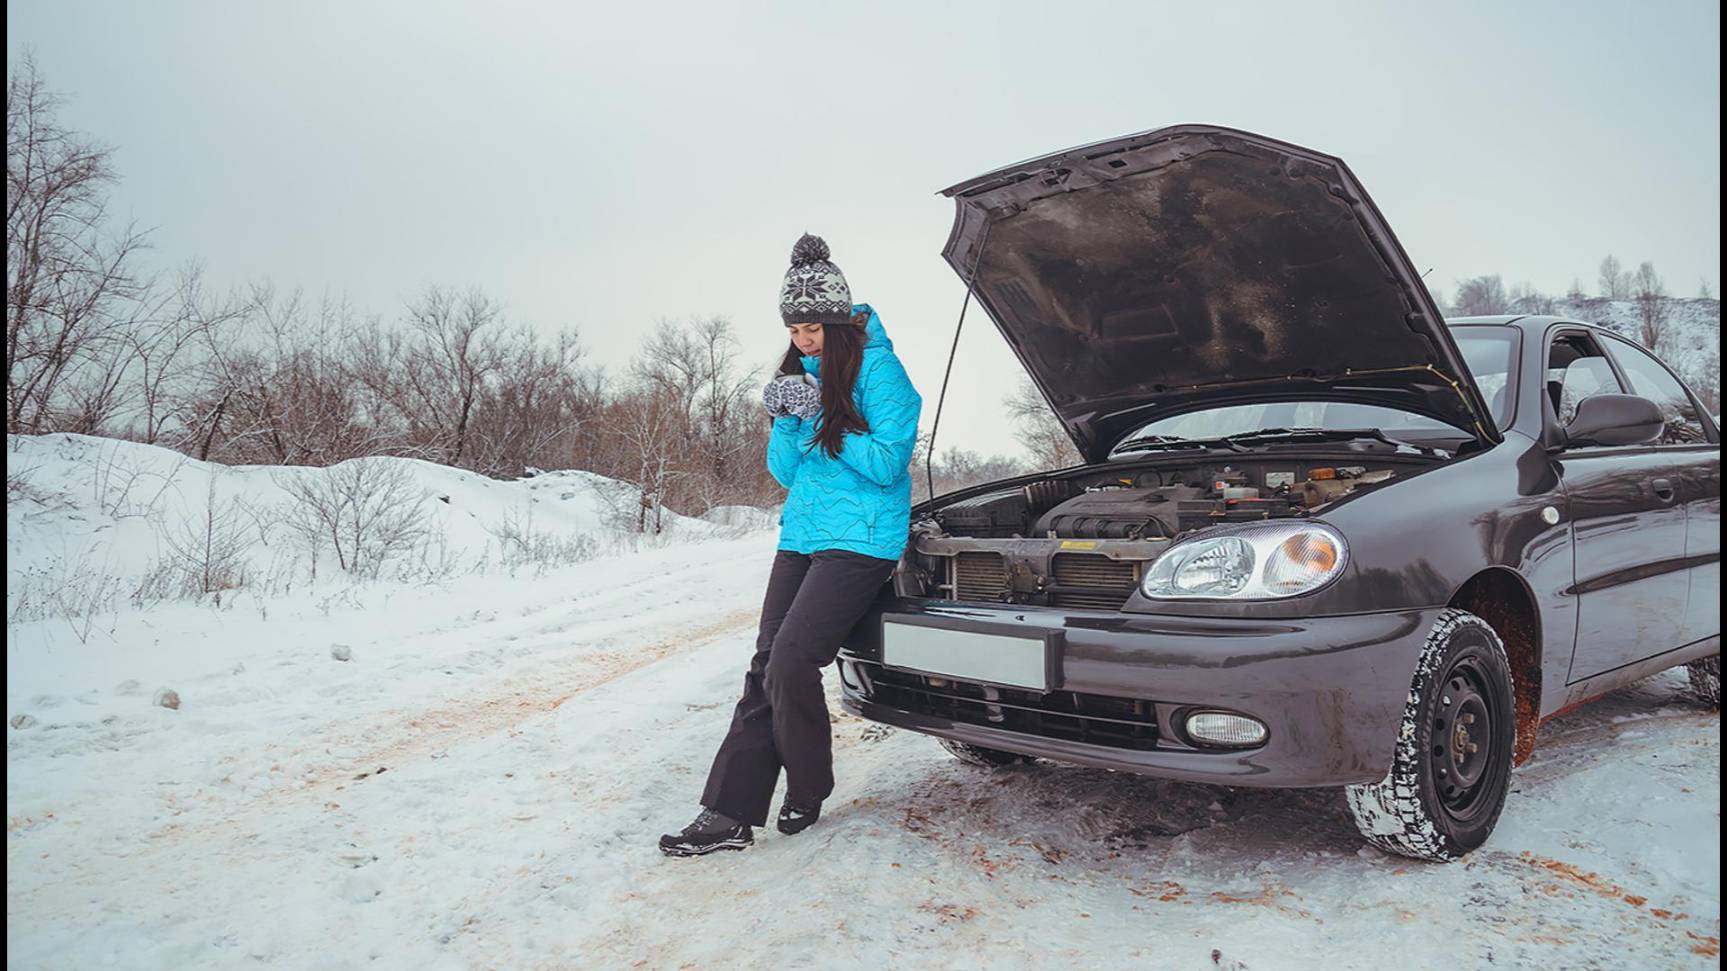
pixel 1334 435
pixel 1147 443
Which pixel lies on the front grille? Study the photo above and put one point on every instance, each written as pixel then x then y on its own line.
pixel 980 577
pixel 1088 580
pixel 1127 723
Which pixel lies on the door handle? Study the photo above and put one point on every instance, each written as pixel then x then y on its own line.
pixel 1663 489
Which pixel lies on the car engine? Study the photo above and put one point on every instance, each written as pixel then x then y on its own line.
pixel 1086 542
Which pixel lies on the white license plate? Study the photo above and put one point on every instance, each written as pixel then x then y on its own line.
pixel 967 655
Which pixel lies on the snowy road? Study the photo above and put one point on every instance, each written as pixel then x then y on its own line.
pixel 482 786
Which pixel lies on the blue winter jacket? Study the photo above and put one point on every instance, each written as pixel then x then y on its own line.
pixel 860 501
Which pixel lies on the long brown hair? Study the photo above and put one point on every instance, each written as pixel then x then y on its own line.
pixel 842 357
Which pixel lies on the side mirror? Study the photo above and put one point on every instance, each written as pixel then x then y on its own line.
pixel 1615 419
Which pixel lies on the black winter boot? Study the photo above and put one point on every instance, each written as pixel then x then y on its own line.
pixel 795 818
pixel 709 831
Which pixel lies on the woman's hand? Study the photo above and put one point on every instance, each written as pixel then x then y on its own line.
pixel 774 399
pixel 792 396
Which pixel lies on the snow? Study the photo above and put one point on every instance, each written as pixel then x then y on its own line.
pixel 482 782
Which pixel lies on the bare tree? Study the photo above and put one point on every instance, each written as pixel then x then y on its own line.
pixel 1439 301
pixel 535 406
pixel 276 389
pixel 722 411
pixel 169 349
pixel 1615 283
pixel 1652 309
pixel 1525 299
pixel 650 428
pixel 695 369
pixel 71 291
pixel 429 379
pixel 1704 291
pixel 1482 295
pixel 1038 429
pixel 1575 294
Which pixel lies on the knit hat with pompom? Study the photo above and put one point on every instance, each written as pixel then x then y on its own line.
pixel 814 291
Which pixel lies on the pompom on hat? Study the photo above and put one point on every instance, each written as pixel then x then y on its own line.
pixel 814 290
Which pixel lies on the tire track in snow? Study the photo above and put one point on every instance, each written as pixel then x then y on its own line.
pixel 499 708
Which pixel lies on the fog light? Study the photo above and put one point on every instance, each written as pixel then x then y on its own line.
pixel 849 676
pixel 1222 728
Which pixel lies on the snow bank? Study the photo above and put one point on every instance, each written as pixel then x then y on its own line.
pixel 93 523
pixel 742 517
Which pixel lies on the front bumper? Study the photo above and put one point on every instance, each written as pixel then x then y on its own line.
pixel 1331 690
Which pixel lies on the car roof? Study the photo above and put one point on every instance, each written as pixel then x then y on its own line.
pixel 1533 323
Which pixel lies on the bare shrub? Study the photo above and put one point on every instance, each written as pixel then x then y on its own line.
pixel 76 591
pixel 20 484
pixel 123 486
pixel 365 511
pixel 209 553
pixel 160 581
pixel 432 560
pixel 521 545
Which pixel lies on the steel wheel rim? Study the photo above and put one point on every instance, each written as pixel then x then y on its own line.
pixel 1464 750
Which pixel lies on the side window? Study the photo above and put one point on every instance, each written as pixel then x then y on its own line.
pixel 1576 369
pixel 1683 426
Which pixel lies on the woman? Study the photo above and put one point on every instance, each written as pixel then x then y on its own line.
pixel 844 425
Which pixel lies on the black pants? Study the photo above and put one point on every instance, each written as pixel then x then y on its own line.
pixel 782 719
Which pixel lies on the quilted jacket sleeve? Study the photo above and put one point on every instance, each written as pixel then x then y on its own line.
pixel 785 450
pixel 891 406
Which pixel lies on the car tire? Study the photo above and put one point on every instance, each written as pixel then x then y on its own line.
pixel 989 758
pixel 1452 767
pixel 1705 675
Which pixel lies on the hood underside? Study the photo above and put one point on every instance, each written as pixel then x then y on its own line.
pixel 1194 267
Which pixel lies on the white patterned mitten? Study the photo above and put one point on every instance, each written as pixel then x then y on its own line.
pixel 790 394
pixel 803 400
pixel 774 399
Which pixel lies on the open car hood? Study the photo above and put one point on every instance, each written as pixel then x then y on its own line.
pixel 1196 266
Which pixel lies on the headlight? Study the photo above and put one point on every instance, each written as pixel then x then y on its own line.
pixel 1256 562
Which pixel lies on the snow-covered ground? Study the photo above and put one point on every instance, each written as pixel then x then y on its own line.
pixel 482 782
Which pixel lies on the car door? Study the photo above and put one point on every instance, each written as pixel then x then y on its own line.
pixel 1692 451
pixel 1627 526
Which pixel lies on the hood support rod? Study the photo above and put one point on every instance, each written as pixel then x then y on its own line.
pixel 970 284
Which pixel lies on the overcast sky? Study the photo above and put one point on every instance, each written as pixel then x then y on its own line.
pixel 604 166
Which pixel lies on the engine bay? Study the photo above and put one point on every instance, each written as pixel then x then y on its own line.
pixel 1085 538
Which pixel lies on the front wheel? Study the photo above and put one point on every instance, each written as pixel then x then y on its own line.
pixel 1452 768
pixel 991 758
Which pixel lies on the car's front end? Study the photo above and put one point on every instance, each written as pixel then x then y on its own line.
pixel 1299 702
pixel 1191 616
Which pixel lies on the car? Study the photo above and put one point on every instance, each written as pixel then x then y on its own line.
pixel 1320 536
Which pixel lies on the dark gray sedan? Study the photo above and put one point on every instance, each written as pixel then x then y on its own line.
pixel 1320 537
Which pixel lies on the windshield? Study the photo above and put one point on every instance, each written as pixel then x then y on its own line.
pixel 1487 351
